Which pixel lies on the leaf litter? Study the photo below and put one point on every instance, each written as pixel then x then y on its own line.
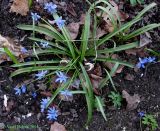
pixel 13 46
pixel 20 7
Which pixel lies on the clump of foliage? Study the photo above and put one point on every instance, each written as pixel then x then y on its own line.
pixel 116 99
pixel 150 121
pixel 70 57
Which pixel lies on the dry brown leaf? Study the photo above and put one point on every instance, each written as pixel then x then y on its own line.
pixel 70 9
pixel 137 51
pixel 129 77
pixel 100 33
pixel 20 7
pixel 57 127
pixel 111 65
pixel 73 29
pixel 82 19
pixel 46 93
pixel 108 26
pixel 145 39
pixel 95 77
pixel 13 47
pixel 132 101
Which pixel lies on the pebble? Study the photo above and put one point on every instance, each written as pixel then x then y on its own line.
pixel 2 126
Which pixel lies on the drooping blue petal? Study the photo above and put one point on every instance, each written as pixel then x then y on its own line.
pixel 44 103
pixel 18 91
pixel 23 88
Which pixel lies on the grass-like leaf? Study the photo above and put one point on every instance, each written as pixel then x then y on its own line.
pixel 41 30
pixel 36 63
pixel 100 106
pixel 85 36
pixel 11 55
pixel 115 61
pixel 88 88
pixel 36 68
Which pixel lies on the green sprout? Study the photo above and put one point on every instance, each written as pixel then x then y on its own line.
pixel 116 99
pixel 150 121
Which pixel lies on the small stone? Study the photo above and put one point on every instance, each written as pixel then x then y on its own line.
pixel 2 126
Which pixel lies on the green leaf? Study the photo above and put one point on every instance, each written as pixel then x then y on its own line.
pixel 147 8
pixel 115 61
pixel 119 48
pixel 38 68
pixel 87 87
pixel 140 31
pixel 50 43
pixel 100 106
pixel 109 76
pixel 65 85
pixel 11 55
pixel 36 63
pixel 85 36
pixel 41 30
pixel 110 35
pixel 49 51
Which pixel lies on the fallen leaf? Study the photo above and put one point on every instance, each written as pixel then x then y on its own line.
pixel 46 93
pixel 129 77
pixel 70 9
pixel 13 47
pixel 137 51
pixel 95 77
pixel 20 7
pixel 82 19
pixel 132 101
pixel 100 32
pixel 107 24
pixel 10 105
pixel 76 84
pixel 145 39
pixel 111 65
pixel 57 127
pixel 95 80
pixel 73 29
pixel 65 98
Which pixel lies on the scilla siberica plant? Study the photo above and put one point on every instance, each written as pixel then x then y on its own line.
pixel 75 55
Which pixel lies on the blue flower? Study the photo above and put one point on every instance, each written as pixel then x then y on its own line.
pixel 18 91
pixel 60 22
pixel 23 88
pixel 50 7
pixel 35 16
pixel 66 93
pixel 24 50
pixel 61 77
pixel 141 114
pixel 34 94
pixel 142 62
pixel 41 74
pixel 44 44
pixel 52 114
pixel 44 103
pixel 151 59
